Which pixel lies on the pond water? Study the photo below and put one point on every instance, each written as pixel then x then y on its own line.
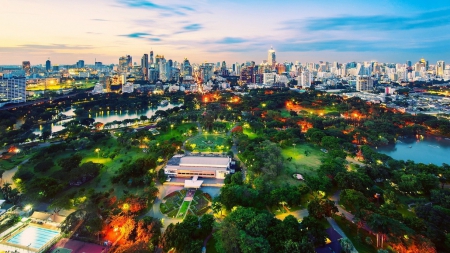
pixel 105 117
pixel 422 149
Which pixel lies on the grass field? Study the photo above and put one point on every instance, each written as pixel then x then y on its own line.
pixel 251 135
pixel 183 209
pixel 302 164
pixel 209 143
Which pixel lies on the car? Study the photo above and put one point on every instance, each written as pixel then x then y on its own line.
pixel 168 179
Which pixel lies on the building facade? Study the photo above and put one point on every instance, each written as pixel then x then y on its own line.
pixel 201 166
pixel 12 90
pixel 364 83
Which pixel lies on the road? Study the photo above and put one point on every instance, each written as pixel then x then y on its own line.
pixel 155 212
pixel 349 216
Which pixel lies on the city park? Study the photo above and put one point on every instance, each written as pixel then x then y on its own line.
pixel 115 171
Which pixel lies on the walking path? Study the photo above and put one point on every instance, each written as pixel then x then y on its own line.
pixel 9 174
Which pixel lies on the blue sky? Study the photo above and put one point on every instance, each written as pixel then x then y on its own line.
pixel 230 30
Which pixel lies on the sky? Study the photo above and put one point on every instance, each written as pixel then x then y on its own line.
pixel 230 30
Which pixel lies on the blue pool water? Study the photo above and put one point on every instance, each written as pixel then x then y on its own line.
pixel 33 237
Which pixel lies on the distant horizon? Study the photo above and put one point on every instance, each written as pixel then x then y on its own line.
pixel 390 31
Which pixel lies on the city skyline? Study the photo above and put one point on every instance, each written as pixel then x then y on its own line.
pixel 388 31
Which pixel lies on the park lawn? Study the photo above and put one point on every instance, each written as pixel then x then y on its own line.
pixel 350 231
pixel 183 208
pixel 302 163
pixel 176 133
pixel 209 143
pixel 251 135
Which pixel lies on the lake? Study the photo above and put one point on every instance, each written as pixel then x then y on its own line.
pixel 429 149
pixel 105 117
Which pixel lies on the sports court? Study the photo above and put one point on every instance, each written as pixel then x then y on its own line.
pixel 73 246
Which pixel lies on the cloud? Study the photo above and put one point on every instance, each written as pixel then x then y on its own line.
pixel 136 35
pixel 192 27
pixel 231 40
pixel 55 46
pixel 423 20
pixel 146 4
pixel 99 19
pixel 155 39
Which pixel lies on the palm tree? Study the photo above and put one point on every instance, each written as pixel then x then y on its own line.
pixel 283 203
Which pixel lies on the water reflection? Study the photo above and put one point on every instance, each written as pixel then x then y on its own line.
pixel 429 149
pixel 105 117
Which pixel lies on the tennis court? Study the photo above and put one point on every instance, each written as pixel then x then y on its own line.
pixel 33 237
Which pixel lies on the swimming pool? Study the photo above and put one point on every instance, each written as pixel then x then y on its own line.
pixel 33 237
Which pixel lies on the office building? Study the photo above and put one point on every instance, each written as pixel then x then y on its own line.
pixel 80 64
pixel 144 66
pixel 151 57
pixel 48 66
pixel 26 66
pixel 12 90
pixel 440 68
pixel 271 58
pixel 364 83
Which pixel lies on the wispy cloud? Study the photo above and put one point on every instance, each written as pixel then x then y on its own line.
pixel 99 19
pixel 146 4
pixel 136 35
pixel 55 46
pixel 192 27
pixel 231 40
pixel 375 22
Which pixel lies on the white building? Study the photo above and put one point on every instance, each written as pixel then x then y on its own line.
pixel 128 88
pixel 305 79
pixel 201 166
pixel 12 90
pixel 269 78
pixel 364 83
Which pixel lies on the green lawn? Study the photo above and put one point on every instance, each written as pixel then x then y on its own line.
pixel 209 143
pixel 251 135
pixel 183 208
pixel 178 132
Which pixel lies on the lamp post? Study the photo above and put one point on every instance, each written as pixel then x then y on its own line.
pixel 98 152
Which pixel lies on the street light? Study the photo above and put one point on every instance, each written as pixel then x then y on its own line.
pixel 98 152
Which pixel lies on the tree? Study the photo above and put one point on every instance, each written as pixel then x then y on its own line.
pixel 315 230
pixel 70 163
pixel 321 208
pixel 45 135
pixel 271 158
pixel 354 200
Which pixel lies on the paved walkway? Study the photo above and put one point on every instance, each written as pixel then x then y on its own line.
pixel 9 174
pixel 349 216
pixel 299 214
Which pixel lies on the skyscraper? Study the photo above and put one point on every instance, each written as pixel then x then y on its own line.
pixel 440 67
pixel 80 64
pixel 26 66
pixel 48 65
pixel 186 68
pixel 144 66
pixel 271 59
pixel 151 57
pixel 12 90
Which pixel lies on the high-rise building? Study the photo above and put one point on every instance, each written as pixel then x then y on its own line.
pixel 144 66
pixel 186 68
pixel 364 83
pixel 440 68
pixel 271 58
pixel 48 66
pixel 80 64
pixel 26 66
pixel 151 57
pixel 305 79
pixel 12 90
